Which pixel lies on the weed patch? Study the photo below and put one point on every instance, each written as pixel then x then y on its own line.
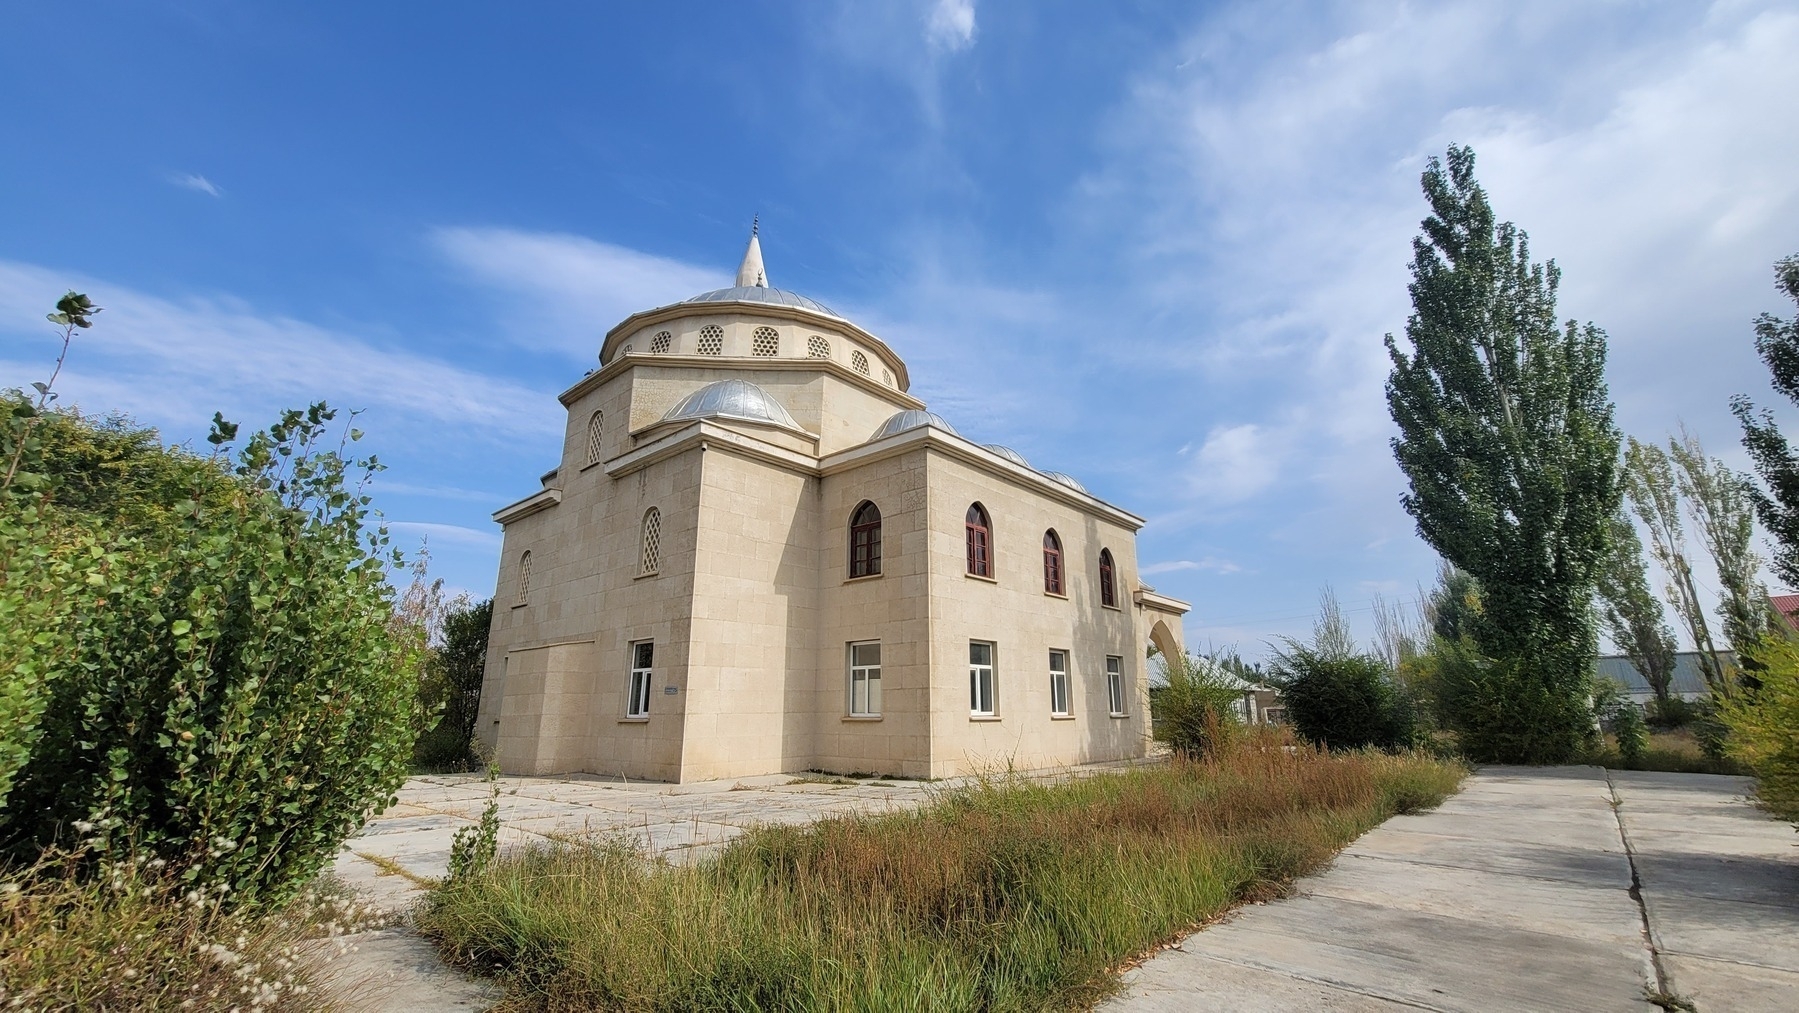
pixel 1005 894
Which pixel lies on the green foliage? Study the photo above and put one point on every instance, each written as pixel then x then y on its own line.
pixel 1778 342
pixel 1632 615
pixel 1003 895
pixel 1503 712
pixel 225 690
pixel 1195 712
pixel 1632 733
pixel 1506 437
pixel 1764 727
pixel 451 692
pixel 1671 713
pixel 1342 701
pixel 1649 479
pixel 472 849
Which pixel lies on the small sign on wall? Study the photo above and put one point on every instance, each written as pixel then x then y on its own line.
pixel 670 690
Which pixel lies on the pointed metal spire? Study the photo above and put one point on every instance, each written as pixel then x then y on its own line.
pixel 750 273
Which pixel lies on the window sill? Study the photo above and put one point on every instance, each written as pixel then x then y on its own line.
pixel 864 577
pixel 862 718
pixel 983 717
pixel 976 576
pixel 520 604
pixel 1052 594
pixel 635 721
pixel 1112 607
pixel 645 576
pixel 1119 717
pixel 1061 717
pixel 589 464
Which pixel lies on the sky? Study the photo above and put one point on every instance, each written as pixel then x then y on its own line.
pixel 1153 245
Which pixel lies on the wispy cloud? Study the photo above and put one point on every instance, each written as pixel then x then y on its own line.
pixel 175 362
pixel 445 534
pixel 950 25
pixel 565 291
pixel 194 181
pixel 1207 565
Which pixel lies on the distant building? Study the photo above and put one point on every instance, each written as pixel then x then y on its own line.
pixel 760 553
pixel 1688 682
pixel 1788 607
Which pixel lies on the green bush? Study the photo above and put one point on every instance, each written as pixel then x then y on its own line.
pixel 1342 701
pixel 225 686
pixel 1195 712
pixel 1509 711
pixel 451 691
pixel 1764 727
pixel 1671 713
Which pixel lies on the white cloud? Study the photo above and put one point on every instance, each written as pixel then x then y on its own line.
pixel 950 25
pixel 565 291
pixel 1209 564
pixel 445 534
pixel 193 181
pixel 174 363
pixel 1235 463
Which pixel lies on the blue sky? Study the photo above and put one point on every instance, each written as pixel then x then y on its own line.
pixel 1154 245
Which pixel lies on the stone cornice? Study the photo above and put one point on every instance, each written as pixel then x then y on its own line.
pixel 586 384
pixel 706 435
pixel 1158 602
pixel 537 501
pixel 768 311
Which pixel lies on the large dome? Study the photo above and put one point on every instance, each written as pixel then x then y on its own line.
pixel 765 296
pixel 732 399
pixel 903 421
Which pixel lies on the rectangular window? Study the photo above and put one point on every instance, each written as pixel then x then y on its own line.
pixel 1058 683
pixel 980 678
pixel 643 657
pixel 865 679
pixel 1115 683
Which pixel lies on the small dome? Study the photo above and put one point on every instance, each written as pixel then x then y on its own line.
pixel 1067 480
pixel 912 420
pixel 732 399
pixel 767 296
pixel 1008 453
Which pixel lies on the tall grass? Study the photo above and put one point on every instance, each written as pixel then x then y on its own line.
pixel 1001 895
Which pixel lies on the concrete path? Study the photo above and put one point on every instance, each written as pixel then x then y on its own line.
pixel 1517 894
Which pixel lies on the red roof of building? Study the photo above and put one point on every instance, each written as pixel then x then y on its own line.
pixel 1788 606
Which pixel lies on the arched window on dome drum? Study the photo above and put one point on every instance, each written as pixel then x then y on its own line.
pixel 652 542
pixel 865 541
pixel 1108 581
pixel 859 362
pixel 765 342
pixel 712 340
pixel 659 344
pixel 595 425
pixel 980 541
pixel 524 579
pixel 817 347
pixel 1052 563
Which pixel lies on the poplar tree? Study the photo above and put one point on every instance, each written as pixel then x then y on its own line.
pixel 1778 342
pixel 1632 614
pixel 1506 436
pixel 1654 493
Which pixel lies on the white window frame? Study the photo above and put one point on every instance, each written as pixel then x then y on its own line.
pixel 1059 705
pixel 983 681
pixel 643 671
pixel 864 680
pixel 1115 685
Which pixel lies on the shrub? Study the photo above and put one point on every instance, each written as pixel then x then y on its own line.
pixel 1503 711
pixel 1764 726
pixel 1672 712
pixel 231 697
pixel 1342 701
pixel 451 691
pixel 1195 712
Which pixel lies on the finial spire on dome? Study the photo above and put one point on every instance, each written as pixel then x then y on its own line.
pixel 750 273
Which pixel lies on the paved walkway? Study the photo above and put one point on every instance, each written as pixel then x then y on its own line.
pixel 1517 894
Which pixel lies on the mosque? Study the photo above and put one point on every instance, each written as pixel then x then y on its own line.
pixel 759 553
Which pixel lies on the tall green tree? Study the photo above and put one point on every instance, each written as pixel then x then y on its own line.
pixel 1655 495
pixel 1719 502
pixel 1775 461
pixel 1506 436
pixel 1632 614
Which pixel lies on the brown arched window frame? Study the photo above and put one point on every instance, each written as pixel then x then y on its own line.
pixel 980 541
pixel 1052 563
pixel 865 541
pixel 1108 581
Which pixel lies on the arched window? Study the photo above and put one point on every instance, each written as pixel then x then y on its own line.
pixel 595 423
pixel 859 362
pixel 980 541
pixel 652 541
pixel 765 342
pixel 524 578
pixel 865 541
pixel 660 343
pixel 1052 562
pixel 817 348
pixel 712 340
pixel 887 377
pixel 622 353
pixel 1108 582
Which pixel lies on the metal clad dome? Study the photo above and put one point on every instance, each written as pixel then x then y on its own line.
pixel 732 399
pixel 1067 480
pixel 903 421
pixel 767 296
pixel 1008 453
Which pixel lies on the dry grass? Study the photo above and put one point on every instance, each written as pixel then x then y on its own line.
pixel 1674 750
pixel 132 939
pixel 1003 895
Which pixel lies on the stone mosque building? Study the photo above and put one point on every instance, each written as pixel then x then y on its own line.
pixel 759 553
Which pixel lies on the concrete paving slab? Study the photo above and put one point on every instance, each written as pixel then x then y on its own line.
pixel 1723 986
pixel 1225 987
